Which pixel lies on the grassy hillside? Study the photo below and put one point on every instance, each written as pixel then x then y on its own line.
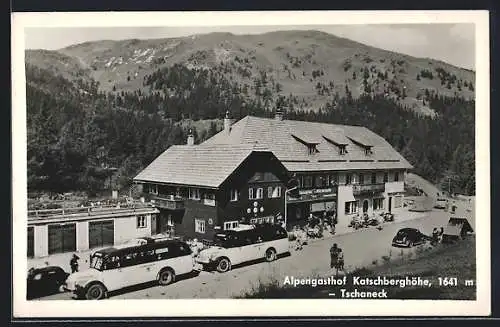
pixel 119 104
pixel 457 260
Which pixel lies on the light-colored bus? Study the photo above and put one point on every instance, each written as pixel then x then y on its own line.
pixel 115 268
pixel 232 247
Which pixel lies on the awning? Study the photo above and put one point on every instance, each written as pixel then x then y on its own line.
pixel 349 195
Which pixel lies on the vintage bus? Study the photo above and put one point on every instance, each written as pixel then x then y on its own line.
pixel 134 263
pixel 232 247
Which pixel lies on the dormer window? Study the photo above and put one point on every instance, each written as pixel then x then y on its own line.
pixel 362 143
pixel 308 141
pixel 312 149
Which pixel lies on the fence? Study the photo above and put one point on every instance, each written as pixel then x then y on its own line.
pixel 88 210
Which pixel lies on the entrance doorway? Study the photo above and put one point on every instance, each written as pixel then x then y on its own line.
pixel 365 206
pixel 164 223
pixel 390 204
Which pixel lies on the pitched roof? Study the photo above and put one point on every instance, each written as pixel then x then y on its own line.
pixel 197 165
pixel 280 137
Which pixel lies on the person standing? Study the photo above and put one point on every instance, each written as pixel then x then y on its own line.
pixel 334 255
pixel 74 263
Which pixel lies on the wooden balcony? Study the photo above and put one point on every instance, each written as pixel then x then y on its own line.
pixel 170 203
pixel 359 189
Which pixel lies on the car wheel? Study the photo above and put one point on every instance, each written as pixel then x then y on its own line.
pixel 270 255
pixel 224 265
pixel 166 277
pixel 95 292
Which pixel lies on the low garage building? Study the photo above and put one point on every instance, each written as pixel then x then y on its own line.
pixel 81 229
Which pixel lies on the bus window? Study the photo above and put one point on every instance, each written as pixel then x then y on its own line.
pixel 96 263
pixel 184 249
pixel 163 253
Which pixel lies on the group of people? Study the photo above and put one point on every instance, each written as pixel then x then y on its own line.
pixel 315 228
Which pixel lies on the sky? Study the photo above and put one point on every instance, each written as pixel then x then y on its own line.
pixel 451 43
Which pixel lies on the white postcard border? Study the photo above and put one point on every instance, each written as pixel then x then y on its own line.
pixel 237 307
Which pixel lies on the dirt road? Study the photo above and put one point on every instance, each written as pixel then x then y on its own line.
pixel 361 248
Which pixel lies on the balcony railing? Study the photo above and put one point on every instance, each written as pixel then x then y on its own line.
pixel 171 203
pixel 367 188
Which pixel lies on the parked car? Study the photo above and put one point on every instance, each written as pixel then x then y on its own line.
pixel 234 247
pixel 45 281
pixel 441 203
pixel 409 237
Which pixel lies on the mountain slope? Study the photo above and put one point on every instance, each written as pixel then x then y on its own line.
pixel 314 67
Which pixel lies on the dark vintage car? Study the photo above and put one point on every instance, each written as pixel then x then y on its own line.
pixel 408 237
pixel 45 281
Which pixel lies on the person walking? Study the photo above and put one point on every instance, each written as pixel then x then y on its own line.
pixel 74 263
pixel 435 236
pixel 340 260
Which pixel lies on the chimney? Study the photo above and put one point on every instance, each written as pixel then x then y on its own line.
pixel 190 139
pixel 227 123
pixel 278 115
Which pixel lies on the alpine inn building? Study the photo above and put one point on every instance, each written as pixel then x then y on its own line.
pixel 345 169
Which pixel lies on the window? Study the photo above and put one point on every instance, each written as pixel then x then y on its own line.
pixel 274 192
pixel 260 193
pixel 318 181
pixel 351 207
pixel 312 149
pixel 101 233
pixel 231 225
pixel 153 189
pixel 235 194
pixel 348 179
pixel 396 176
pixel 343 150
pixel 368 151
pixel 141 222
pixel 378 204
pixel 300 181
pixel 334 179
pixel 199 226
pixel 308 181
pixel 374 178
pixel 251 196
pixel 386 177
pixel 194 194
pixel 398 201
pixel 361 178
pixel 62 238
pixel 31 242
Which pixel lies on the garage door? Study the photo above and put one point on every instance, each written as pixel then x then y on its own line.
pixel 101 233
pixel 62 238
pixel 31 242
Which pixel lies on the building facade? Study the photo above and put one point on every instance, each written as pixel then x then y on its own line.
pixel 202 189
pixel 337 169
pixel 81 229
